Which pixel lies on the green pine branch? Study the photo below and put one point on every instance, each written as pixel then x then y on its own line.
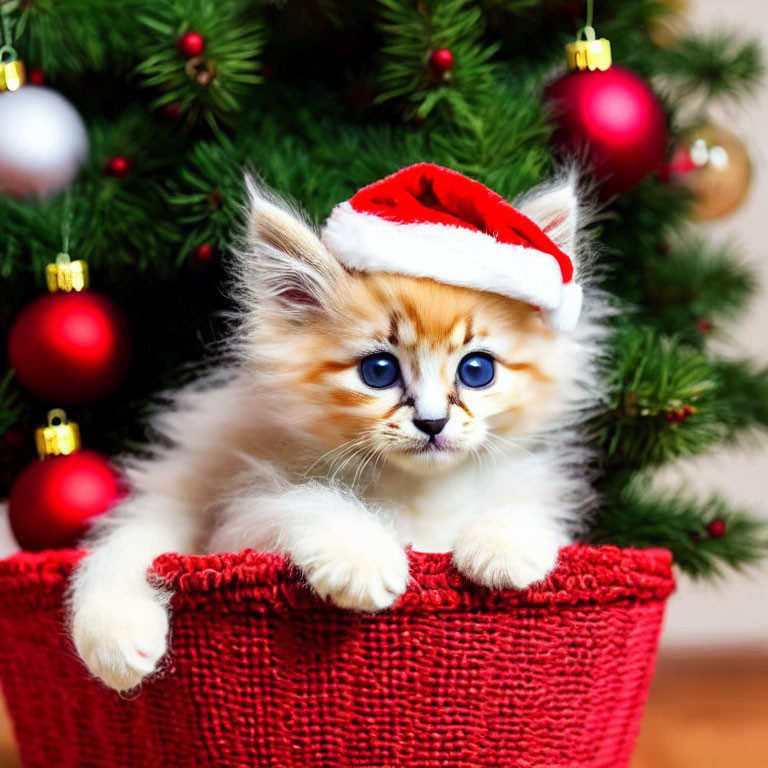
pixel 741 397
pixel 214 86
pixel 637 224
pixel 717 65
pixel 631 516
pixel 206 196
pixel 67 39
pixel 11 408
pixel 666 399
pixel 694 288
pixel 411 33
pixel 502 144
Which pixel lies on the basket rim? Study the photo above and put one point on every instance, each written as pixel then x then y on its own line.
pixel 265 581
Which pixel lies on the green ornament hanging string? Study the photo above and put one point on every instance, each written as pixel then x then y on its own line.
pixel 587 51
pixel 7 51
pixel 65 274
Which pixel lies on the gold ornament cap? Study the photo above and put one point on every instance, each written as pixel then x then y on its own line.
pixel 13 75
pixel 65 275
pixel 590 54
pixel 59 438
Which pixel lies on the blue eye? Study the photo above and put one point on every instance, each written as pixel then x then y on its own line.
pixel 476 370
pixel 380 370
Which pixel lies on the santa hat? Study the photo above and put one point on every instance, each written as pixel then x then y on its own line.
pixel 428 221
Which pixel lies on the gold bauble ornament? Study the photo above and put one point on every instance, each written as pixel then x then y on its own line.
pixel 714 165
pixel 665 30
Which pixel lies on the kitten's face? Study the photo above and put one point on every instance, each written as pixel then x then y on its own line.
pixel 419 374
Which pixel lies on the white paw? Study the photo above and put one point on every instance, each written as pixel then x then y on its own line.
pixel 499 555
pixel 363 569
pixel 121 638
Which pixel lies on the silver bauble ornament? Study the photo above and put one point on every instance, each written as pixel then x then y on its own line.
pixel 44 142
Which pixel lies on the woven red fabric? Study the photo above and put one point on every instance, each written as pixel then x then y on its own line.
pixel 263 674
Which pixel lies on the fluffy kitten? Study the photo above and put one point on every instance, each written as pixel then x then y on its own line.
pixel 289 450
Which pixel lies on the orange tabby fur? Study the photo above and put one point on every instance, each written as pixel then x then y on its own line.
pixel 416 319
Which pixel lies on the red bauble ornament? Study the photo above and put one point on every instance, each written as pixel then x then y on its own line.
pixel 441 60
pixel 70 348
pixel 118 166
pixel 204 253
pixel 614 120
pixel 191 44
pixel 52 501
pixel 716 529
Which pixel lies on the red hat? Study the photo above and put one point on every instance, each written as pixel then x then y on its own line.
pixel 428 221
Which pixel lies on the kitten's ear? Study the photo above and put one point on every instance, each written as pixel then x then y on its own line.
pixel 285 261
pixel 555 208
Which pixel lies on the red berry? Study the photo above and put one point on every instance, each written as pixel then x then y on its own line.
pixel 191 44
pixel 118 166
pixel 688 410
pixel 716 528
pixel 441 60
pixel 171 111
pixel 35 77
pixel 204 253
pixel 704 325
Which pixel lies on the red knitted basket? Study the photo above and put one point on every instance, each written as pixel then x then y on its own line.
pixel 263 674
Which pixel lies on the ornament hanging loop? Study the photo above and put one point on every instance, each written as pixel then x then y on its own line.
pixel 583 55
pixel 12 71
pixel 59 438
pixel 57 417
pixel 65 275
pixel 590 53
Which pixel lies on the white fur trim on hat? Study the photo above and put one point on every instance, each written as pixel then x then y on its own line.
pixel 453 255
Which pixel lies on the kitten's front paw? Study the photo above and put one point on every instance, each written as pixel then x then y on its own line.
pixel 355 570
pixel 121 639
pixel 497 555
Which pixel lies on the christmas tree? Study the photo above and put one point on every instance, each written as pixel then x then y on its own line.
pixel 320 97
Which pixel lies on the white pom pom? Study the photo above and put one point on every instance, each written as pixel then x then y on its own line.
pixel 565 316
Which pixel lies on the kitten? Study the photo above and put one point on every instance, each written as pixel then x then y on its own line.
pixel 365 413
